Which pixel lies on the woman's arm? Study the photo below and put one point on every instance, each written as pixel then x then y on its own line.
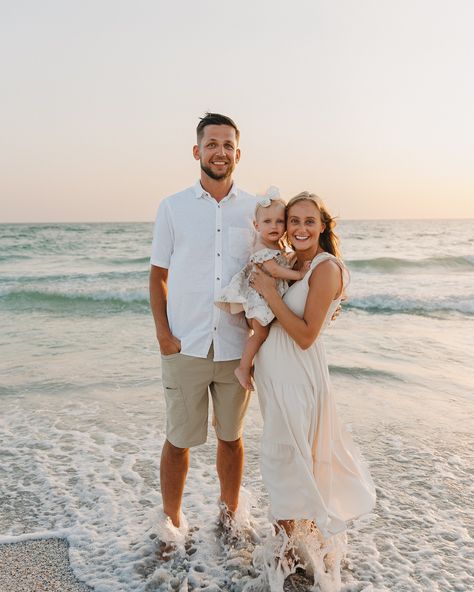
pixel 324 286
pixel 284 273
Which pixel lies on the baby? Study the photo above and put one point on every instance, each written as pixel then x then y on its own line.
pixel 268 252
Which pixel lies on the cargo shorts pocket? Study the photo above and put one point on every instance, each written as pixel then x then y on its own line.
pixel 176 409
pixel 170 356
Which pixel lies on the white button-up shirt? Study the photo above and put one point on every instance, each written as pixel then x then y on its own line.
pixel 203 243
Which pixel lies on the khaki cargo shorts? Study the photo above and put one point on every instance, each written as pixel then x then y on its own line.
pixel 187 382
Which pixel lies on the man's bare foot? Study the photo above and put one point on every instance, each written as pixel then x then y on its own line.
pixel 226 527
pixel 225 518
pixel 165 550
pixel 244 377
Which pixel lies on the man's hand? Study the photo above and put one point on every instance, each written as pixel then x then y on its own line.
pixel 169 345
pixel 336 313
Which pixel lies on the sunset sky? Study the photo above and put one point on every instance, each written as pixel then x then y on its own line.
pixel 368 103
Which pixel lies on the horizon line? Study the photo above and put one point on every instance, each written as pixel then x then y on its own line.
pixel 338 219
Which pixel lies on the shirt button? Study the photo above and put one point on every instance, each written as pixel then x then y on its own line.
pixel 218 254
pixel 215 328
pixel 218 278
pixel 218 230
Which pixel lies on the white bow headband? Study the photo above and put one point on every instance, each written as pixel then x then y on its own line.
pixel 272 193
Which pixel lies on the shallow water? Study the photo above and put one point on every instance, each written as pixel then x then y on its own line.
pixel 82 412
pixel 87 469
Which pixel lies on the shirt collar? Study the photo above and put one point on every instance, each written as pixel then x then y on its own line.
pixel 200 192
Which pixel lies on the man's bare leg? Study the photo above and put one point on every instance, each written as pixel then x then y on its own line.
pixel 173 470
pixel 230 466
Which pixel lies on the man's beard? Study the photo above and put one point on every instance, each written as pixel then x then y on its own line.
pixel 218 176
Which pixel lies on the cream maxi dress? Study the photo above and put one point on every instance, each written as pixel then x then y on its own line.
pixel 310 465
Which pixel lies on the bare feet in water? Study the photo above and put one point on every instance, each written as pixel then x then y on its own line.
pixel 226 527
pixel 165 550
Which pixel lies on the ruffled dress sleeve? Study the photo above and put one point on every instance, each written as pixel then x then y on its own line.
pixel 264 255
pixel 239 296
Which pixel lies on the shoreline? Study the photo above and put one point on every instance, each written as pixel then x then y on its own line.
pixel 37 565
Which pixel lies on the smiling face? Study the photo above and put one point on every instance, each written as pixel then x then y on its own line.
pixel 270 223
pixel 217 151
pixel 304 225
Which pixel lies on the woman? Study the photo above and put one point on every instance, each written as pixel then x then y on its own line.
pixel 310 466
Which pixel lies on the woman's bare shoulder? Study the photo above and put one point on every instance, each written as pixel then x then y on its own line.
pixel 326 275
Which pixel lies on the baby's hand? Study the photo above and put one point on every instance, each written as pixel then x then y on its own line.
pixel 304 270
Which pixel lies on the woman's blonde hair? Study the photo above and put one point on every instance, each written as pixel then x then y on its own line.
pixel 328 239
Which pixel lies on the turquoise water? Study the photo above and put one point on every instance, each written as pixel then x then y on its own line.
pixel 82 409
pixel 82 289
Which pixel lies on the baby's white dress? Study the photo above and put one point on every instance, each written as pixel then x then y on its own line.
pixel 239 295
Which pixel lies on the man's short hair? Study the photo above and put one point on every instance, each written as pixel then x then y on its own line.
pixel 215 119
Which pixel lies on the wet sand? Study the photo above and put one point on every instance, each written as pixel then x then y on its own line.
pixel 34 566
pixel 43 565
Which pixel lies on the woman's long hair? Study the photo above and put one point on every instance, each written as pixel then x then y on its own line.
pixel 328 239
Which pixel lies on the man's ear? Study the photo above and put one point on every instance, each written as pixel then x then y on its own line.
pixel 196 152
pixel 237 155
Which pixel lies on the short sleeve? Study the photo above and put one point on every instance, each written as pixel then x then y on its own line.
pixel 163 238
pixel 264 255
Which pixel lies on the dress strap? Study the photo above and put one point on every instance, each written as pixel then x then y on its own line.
pixel 328 257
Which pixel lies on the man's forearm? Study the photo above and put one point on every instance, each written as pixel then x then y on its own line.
pixel 158 301
pixel 169 344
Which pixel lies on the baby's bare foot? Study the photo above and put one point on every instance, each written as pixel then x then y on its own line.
pixel 244 377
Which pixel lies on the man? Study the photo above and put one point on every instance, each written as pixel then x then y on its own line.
pixel 202 237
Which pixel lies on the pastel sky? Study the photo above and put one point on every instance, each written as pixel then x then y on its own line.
pixel 368 103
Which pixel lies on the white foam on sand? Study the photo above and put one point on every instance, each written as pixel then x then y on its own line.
pixel 88 470
pixel 305 551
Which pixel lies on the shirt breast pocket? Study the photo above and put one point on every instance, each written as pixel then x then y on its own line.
pixel 240 243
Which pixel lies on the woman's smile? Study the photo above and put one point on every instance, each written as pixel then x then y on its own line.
pixel 304 225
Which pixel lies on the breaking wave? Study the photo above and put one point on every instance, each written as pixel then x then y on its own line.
pixel 429 264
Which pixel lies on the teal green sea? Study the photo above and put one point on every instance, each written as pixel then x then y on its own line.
pixel 83 416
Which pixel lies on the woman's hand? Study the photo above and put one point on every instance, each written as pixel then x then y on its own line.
pixel 262 282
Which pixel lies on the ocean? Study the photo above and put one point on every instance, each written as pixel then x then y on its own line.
pixel 82 410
